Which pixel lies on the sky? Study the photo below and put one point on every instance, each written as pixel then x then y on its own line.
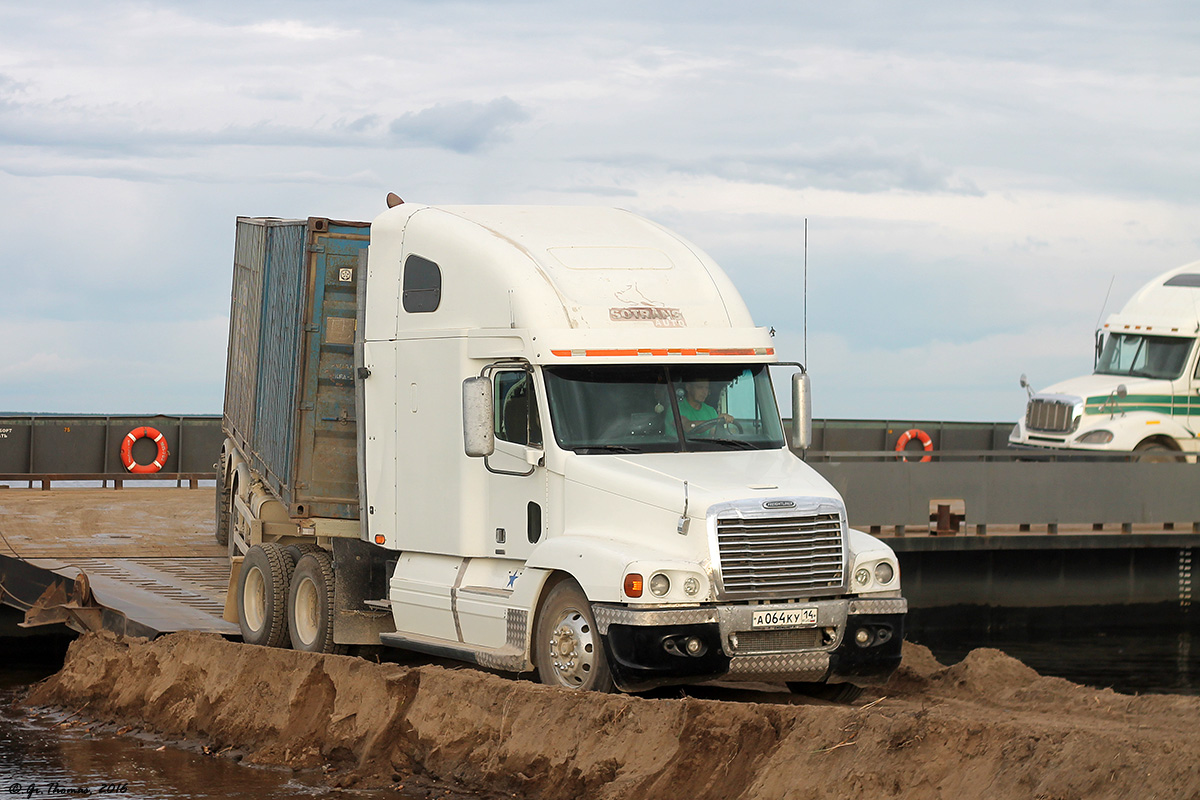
pixel 974 176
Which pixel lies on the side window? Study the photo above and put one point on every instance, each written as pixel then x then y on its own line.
pixel 516 408
pixel 422 285
pixel 741 398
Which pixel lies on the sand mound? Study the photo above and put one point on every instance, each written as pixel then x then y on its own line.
pixel 986 727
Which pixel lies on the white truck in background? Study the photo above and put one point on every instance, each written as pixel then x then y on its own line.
pixel 1144 395
pixel 482 440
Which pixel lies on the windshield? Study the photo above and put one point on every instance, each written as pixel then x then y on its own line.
pixel 663 409
pixel 1143 356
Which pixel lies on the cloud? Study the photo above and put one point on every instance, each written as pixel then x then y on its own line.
pixel 463 127
pixel 970 380
pixel 860 166
pixel 970 173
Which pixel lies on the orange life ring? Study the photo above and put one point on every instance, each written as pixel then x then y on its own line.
pixel 919 435
pixel 127 450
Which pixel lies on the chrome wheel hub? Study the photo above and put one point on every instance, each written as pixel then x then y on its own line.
pixel 573 649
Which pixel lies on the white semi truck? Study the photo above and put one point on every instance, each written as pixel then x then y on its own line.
pixel 532 439
pixel 1144 395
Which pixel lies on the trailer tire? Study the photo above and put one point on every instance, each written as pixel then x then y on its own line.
pixel 263 595
pixel 567 649
pixel 833 692
pixel 298 551
pixel 223 512
pixel 310 605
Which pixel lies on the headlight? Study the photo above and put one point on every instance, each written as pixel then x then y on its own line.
pixel 884 572
pixel 659 584
pixel 1096 437
pixel 862 576
pixel 691 586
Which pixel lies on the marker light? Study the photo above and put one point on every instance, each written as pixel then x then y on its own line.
pixel 633 585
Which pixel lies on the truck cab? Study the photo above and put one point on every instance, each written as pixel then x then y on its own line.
pixel 571 460
pixel 1144 394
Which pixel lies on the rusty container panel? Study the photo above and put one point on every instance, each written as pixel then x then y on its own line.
pixel 245 316
pixel 279 340
pixel 289 399
pixel 327 465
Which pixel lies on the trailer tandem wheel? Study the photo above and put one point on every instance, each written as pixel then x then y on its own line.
pixel 263 594
pixel 310 607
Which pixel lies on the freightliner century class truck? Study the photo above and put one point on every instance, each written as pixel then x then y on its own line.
pixel 532 439
pixel 1144 395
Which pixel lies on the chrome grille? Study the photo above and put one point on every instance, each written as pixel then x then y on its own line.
pixel 790 556
pixel 778 641
pixel 1048 416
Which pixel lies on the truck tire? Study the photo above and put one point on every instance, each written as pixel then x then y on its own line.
pixel 223 512
pixel 310 604
pixel 298 551
pixel 567 650
pixel 263 595
pixel 833 692
pixel 1156 453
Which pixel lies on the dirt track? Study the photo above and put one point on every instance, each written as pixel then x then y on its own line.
pixel 987 727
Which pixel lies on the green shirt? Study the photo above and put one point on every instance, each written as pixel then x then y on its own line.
pixel 702 414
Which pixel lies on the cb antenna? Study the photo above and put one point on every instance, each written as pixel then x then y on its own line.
pixel 1106 295
pixel 1099 335
pixel 805 293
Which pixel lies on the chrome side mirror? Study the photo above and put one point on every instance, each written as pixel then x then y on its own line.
pixel 479 440
pixel 801 411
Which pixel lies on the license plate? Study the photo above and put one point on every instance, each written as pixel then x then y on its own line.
pixel 784 618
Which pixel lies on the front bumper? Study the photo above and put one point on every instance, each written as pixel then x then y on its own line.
pixel 648 647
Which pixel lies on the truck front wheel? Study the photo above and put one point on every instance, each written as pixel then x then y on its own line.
pixel 1156 453
pixel 263 594
pixel 567 650
pixel 310 604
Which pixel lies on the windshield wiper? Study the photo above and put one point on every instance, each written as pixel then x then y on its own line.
pixel 605 448
pixel 736 444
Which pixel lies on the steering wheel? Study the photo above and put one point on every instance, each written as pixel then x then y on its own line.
pixel 709 424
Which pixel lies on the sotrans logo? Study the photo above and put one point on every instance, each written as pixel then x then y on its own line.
pixel 642 309
pixel 772 504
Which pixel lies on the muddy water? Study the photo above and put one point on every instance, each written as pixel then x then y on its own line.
pixel 46 756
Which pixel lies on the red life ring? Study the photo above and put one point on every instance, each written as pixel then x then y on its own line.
pixel 127 450
pixel 919 435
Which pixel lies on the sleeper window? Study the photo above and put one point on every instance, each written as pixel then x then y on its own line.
pixel 422 285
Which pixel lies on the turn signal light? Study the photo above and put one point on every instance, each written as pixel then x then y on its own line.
pixel 633 585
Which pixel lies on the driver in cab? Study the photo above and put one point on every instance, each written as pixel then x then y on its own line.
pixel 694 410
